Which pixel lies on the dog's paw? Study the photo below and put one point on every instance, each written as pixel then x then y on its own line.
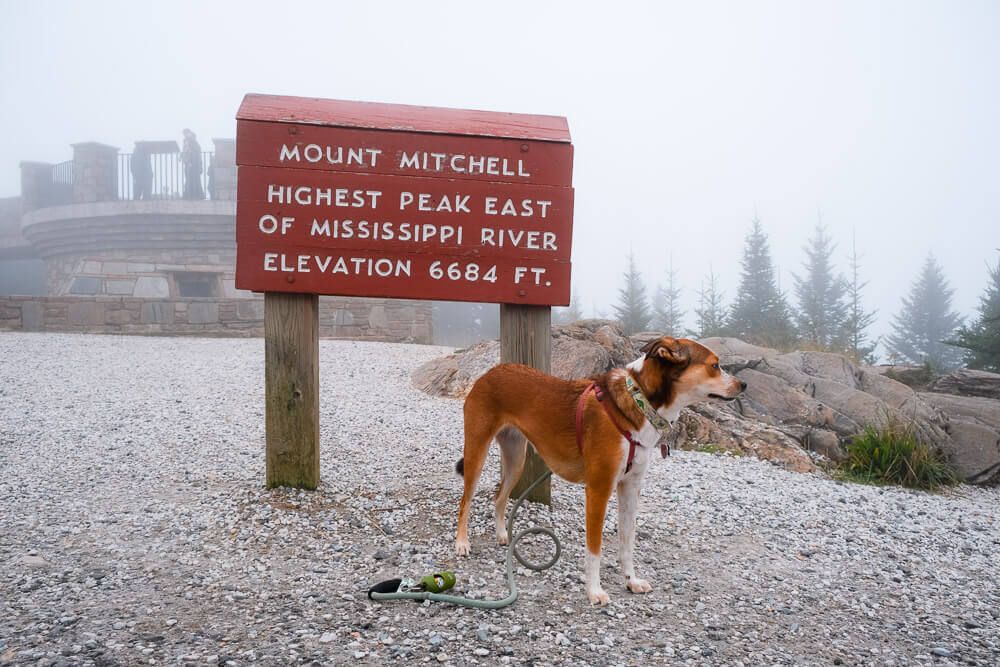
pixel 598 597
pixel 462 548
pixel 637 585
pixel 503 539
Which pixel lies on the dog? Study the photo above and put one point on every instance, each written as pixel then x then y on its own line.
pixel 591 432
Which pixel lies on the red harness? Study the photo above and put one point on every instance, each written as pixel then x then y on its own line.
pixel 599 395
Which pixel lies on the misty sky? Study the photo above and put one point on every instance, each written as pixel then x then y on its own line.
pixel 686 117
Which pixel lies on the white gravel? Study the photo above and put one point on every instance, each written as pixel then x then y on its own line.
pixel 135 529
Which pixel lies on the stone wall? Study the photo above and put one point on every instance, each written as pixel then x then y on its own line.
pixel 140 273
pixel 391 320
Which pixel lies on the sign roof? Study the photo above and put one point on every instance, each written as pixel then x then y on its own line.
pixel 402 118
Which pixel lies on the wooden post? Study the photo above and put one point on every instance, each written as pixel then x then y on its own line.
pixel 291 389
pixel 526 338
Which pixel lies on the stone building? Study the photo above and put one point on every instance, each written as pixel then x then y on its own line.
pixel 113 241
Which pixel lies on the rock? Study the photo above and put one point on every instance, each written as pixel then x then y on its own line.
pixel 579 350
pixel 711 424
pixel 968 382
pixel 33 561
pixel 825 443
pixel 973 447
pixel 941 652
pixel 915 377
pixel 985 411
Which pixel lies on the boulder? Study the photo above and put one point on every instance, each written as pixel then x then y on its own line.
pixel 453 376
pixel 974 428
pixel 712 424
pixel 916 377
pixel 968 382
pixel 579 350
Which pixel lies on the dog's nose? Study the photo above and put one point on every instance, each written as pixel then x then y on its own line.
pixel 743 386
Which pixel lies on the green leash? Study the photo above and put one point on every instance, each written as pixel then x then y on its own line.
pixel 512 553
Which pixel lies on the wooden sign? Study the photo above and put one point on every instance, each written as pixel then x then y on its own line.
pixel 361 199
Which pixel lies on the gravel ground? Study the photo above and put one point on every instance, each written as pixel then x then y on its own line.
pixel 134 529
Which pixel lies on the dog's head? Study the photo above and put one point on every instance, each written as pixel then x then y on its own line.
pixel 685 372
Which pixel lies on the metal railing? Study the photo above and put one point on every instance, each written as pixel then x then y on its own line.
pixel 62 173
pixel 164 176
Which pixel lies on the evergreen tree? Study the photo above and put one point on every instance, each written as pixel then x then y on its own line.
pixel 981 341
pixel 760 313
pixel 820 293
pixel 667 313
pixel 710 315
pixel 632 309
pixel 570 313
pixel 926 322
pixel 858 319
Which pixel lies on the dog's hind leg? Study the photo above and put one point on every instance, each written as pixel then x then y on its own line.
pixel 513 446
pixel 479 431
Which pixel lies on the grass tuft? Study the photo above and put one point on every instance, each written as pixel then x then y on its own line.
pixel 892 455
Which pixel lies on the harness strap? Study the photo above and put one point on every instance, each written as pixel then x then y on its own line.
pixel 581 403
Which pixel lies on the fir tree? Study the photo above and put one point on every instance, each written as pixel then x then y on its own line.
pixel 820 293
pixel 632 309
pixel 570 313
pixel 710 315
pixel 981 340
pixel 926 322
pixel 667 313
pixel 858 319
pixel 760 313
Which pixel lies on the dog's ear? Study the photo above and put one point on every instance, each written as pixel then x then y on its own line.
pixel 667 349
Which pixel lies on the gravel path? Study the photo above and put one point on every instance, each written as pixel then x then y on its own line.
pixel 134 529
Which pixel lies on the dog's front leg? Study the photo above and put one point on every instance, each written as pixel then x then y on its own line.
pixel 628 508
pixel 597 507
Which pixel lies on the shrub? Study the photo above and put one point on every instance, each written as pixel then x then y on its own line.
pixel 892 455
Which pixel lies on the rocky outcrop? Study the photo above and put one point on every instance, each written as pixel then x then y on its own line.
pixel 579 350
pixel 968 382
pixel 799 407
pixel 974 429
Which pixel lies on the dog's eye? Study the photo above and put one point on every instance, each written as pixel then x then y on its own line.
pixel 715 366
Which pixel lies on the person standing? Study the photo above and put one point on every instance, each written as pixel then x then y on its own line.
pixel 191 159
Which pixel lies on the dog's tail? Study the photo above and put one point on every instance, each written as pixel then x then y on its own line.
pixel 460 467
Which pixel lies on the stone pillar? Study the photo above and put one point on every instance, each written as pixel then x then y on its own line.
pixel 222 177
pixel 36 184
pixel 95 172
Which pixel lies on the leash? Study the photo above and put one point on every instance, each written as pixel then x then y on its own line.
pixel 388 590
pixel 377 592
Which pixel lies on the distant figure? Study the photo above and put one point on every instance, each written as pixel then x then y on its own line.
pixel 142 173
pixel 191 159
pixel 211 176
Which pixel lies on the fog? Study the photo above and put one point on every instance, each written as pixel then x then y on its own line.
pixel 687 118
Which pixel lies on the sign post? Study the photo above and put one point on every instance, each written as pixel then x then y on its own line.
pixel 382 200
pixel 526 338
pixel 291 389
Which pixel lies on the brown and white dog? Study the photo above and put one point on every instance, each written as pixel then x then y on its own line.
pixel 514 403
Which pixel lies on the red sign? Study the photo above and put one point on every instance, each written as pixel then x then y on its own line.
pixel 360 199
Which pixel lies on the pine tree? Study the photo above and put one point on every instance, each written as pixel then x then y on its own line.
pixel 926 322
pixel 760 313
pixel 710 315
pixel 570 313
pixel 981 340
pixel 667 313
pixel 858 319
pixel 632 309
pixel 820 294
